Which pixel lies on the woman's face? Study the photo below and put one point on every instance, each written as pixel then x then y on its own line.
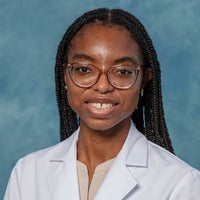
pixel 102 106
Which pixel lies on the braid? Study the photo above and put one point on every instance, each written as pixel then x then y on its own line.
pixel 149 116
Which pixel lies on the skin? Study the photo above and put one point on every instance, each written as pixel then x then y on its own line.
pixel 103 129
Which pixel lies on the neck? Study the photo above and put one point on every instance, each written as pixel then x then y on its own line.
pixel 95 147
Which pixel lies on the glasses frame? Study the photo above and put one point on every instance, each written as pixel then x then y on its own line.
pixel 70 66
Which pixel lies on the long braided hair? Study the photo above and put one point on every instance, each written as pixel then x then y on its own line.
pixel 149 116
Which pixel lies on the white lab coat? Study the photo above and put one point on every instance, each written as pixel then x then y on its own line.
pixel 141 171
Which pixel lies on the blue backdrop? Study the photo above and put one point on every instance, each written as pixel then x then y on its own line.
pixel 30 31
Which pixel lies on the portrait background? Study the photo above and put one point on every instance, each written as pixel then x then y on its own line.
pixel 30 31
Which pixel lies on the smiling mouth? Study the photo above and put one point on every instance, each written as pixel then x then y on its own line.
pixel 101 106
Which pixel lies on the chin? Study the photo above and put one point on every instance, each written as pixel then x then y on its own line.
pixel 105 125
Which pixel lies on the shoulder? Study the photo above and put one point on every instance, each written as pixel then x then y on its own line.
pixel 34 168
pixel 41 157
pixel 164 156
pixel 183 180
pixel 166 162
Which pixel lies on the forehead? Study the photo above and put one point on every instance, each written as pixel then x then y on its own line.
pixel 103 26
pixel 112 40
pixel 100 30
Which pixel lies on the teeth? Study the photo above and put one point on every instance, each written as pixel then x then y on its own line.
pixel 101 106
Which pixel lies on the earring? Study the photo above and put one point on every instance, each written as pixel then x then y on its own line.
pixel 142 93
pixel 66 88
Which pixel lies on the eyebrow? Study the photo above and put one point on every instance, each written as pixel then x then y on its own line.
pixel 83 56
pixel 126 59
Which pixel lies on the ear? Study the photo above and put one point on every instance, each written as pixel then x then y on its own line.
pixel 147 76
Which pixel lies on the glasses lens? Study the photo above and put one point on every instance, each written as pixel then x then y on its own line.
pixel 83 75
pixel 123 76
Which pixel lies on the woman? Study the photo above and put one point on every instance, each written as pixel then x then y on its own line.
pixel 107 86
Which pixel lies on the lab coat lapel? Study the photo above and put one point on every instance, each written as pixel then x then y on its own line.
pixel 117 184
pixel 62 181
pixel 120 180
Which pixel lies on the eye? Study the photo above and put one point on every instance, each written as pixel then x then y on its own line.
pixel 124 72
pixel 84 69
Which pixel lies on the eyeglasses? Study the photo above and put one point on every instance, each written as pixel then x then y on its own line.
pixel 119 76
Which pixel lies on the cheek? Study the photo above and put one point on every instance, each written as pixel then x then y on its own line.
pixel 134 94
pixel 132 101
pixel 129 102
pixel 73 98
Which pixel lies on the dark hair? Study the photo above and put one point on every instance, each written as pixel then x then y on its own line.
pixel 149 116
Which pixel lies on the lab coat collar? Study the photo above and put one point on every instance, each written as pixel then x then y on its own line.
pixel 135 149
pixel 120 180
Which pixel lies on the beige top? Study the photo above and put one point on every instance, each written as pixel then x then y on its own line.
pixel 88 192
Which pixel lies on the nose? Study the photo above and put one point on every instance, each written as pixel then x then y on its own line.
pixel 103 85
